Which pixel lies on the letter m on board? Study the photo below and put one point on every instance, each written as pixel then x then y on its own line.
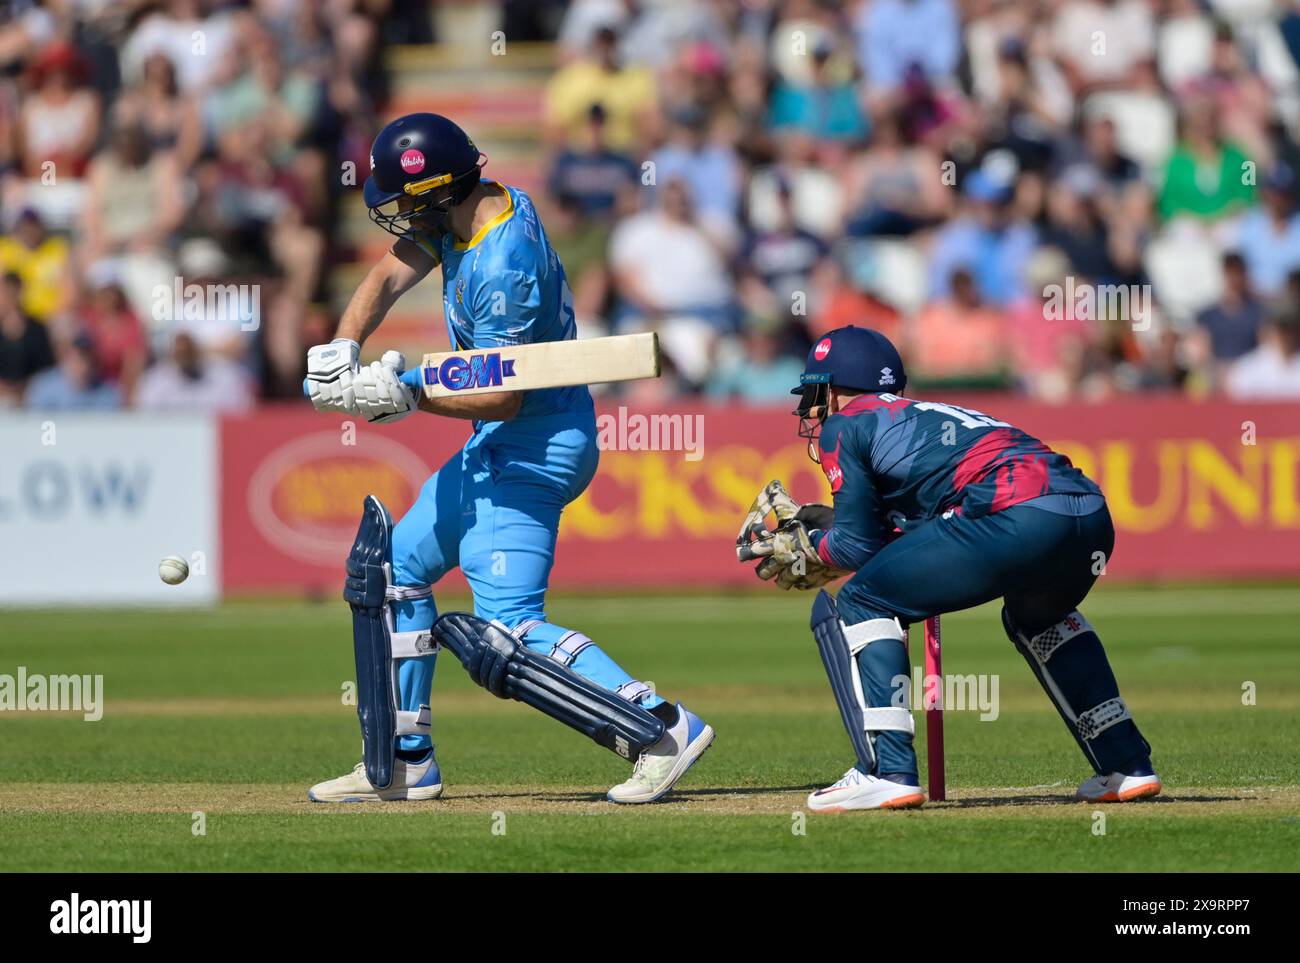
pixel 485 370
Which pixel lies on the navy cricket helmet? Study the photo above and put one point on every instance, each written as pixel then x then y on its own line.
pixel 858 359
pixel 420 166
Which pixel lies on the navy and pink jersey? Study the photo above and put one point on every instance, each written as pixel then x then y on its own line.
pixel 889 458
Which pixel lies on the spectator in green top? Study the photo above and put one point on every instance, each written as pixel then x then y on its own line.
pixel 1207 177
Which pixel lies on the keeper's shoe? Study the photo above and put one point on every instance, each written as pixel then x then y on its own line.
pixel 858 791
pixel 659 767
pixel 1120 787
pixel 411 780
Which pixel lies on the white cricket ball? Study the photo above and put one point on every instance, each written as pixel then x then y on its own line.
pixel 173 570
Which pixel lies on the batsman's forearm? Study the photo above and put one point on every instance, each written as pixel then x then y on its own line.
pixel 368 307
pixel 496 406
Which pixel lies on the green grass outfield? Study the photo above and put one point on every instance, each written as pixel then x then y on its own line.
pixel 234 712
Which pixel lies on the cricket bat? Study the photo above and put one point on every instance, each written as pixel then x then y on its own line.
pixel 551 364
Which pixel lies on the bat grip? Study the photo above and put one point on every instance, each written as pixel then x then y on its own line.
pixel 411 378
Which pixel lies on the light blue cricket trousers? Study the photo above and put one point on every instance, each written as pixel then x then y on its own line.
pixel 494 510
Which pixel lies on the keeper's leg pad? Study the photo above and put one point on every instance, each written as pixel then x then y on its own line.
pixel 368 590
pixel 839 647
pixel 1071 666
pixel 500 663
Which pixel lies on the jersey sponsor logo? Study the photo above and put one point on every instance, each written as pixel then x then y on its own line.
pixel 823 349
pixel 476 371
pixel 831 466
pixel 412 161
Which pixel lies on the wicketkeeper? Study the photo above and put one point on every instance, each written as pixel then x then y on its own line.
pixel 986 511
pixel 494 508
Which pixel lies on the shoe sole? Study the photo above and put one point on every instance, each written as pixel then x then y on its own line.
pixel 911 801
pixel 422 794
pixel 1145 791
pixel 688 758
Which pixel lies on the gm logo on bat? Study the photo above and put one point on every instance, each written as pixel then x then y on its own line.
pixel 478 371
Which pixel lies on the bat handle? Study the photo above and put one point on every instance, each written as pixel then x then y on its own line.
pixel 413 379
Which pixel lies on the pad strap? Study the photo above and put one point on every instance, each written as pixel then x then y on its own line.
pixel 888 718
pixel 569 647
pixel 414 723
pixel 634 691
pixel 1099 718
pixel 521 630
pixel 862 634
pixel 412 645
pixel 408 593
pixel 1045 643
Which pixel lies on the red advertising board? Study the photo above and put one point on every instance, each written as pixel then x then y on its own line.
pixel 1196 489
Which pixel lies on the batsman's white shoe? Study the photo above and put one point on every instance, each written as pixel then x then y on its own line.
pixel 1117 787
pixel 659 767
pixel 856 791
pixel 411 780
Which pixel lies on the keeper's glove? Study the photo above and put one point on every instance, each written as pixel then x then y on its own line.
pixel 786 552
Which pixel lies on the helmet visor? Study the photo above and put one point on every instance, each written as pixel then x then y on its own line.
pixel 408 217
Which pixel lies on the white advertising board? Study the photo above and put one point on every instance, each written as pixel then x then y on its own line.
pixel 90 503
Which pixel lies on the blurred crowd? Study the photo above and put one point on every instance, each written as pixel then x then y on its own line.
pixel 1064 198
pixel 170 195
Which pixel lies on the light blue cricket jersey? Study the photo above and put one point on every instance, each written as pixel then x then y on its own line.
pixel 506 286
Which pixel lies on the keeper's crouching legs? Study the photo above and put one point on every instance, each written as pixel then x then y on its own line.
pixel 1069 662
pixel 866 663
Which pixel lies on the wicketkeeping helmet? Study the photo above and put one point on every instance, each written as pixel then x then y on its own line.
pixel 420 166
pixel 858 359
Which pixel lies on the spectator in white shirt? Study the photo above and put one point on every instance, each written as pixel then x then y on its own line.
pixel 191 380
pixel 1272 371
pixel 665 265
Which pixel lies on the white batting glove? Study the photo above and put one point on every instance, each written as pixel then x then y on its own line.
pixel 381 395
pixel 331 370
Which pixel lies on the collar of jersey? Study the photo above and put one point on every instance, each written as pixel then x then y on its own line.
pixel 497 221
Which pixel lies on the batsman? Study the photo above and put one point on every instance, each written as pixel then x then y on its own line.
pixel 939 508
pixel 493 508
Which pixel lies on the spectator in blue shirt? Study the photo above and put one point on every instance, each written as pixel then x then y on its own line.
pixel 592 178
pixel 709 168
pixel 825 108
pixel 1232 323
pixel 987 240
pixel 759 373
pixel 74 383
pixel 1268 237
pixel 894 34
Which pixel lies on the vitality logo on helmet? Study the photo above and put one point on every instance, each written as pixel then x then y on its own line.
pixel 421 166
